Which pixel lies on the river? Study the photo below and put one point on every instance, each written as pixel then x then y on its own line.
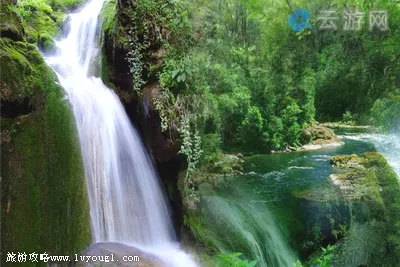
pixel 285 202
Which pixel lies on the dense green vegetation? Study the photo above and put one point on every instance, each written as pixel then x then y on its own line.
pixel 244 80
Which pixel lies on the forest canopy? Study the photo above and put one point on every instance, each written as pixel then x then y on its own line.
pixel 259 81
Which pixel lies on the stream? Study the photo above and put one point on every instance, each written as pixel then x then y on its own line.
pixel 283 202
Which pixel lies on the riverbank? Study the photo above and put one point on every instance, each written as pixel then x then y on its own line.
pixel 316 136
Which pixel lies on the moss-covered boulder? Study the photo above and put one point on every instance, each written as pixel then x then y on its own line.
pixel 44 204
pixel 43 19
pixel 372 191
pixel 20 76
pixel 10 27
pixel 318 136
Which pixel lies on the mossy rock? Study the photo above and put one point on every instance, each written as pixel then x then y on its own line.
pixel 43 19
pixel 348 161
pixel 20 75
pixel 317 134
pixel 46 43
pixel 10 22
pixel 108 17
pixel 65 5
pixel 44 204
pixel 373 192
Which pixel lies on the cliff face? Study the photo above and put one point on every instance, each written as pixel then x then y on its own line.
pixel 136 89
pixel 116 70
pixel 44 206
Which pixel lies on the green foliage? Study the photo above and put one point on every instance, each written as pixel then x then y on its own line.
pixel 354 70
pixel 154 23
pixel 211 149
pixel 252 129
pixel 235 70
pixel 181 72
pixel 324 260
pixel 175 72
pixel 348 117
pixel 191 145
pixel 234 260
pixel 64 5
pixel 386 112
pixel 135 59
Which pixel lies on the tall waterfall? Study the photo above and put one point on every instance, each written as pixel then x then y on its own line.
pixel 126 201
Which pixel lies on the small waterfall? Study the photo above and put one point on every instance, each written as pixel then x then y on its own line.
pixel 387 144
pixel 126 201
pixel 241 226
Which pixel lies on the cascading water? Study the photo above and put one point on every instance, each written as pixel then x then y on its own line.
pixel 387 144
pixel 246 225
pixel 126 202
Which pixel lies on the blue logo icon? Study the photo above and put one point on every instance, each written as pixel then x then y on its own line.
pixel 299 20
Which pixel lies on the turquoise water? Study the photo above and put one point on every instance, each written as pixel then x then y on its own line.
pixel 283 207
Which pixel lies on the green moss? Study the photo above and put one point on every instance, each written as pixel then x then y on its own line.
pixel 19 76
pixel 195 222
pixel 10 22
pixel 390 191
pixel 44 203
pixel 44 18
pixel 345 160
pixel 46 42
pixel 108 26
pixel 64 5
pixel 108 16
pixel 373 192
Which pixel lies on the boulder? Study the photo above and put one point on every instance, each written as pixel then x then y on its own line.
pixel 10 23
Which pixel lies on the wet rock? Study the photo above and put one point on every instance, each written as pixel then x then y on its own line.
pixel 318 136
pixel 372 190
pixel 10 23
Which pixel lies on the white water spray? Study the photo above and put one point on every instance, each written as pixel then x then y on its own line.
pixel 126 202
pixel 387 144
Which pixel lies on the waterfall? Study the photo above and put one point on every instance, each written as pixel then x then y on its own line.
pixel 243 225
pixel 387 144
pixel 126 201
